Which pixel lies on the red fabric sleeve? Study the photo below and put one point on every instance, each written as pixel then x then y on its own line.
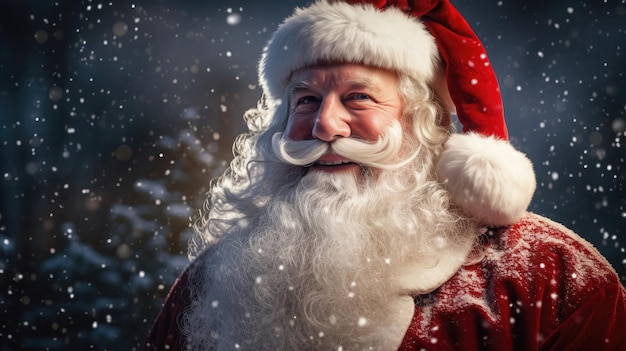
pixel 598 324
pixel 539 287
pixel 165 333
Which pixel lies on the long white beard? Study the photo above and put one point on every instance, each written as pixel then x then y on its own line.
pixel 329 264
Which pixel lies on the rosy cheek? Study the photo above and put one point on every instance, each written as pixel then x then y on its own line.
pixel 373 128
pixel 299 129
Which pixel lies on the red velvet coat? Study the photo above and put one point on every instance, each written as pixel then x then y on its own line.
pixel 539 287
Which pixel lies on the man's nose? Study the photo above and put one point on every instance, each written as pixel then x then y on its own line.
pixel 332 121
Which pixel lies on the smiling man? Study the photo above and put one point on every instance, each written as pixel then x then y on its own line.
pixel 354 218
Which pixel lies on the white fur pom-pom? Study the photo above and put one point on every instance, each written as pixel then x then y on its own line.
pixel 487 177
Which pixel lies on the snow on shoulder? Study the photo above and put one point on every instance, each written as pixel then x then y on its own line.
pixel 533 266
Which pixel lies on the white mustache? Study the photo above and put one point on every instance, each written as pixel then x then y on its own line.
pixel 381 153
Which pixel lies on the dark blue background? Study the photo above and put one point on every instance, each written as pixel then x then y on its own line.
pixel 115 115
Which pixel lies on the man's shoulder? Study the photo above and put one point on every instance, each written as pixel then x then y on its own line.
pixel 534 262
pixel 537 248
pixel 543 237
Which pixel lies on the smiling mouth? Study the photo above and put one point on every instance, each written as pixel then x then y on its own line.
pixel 332 163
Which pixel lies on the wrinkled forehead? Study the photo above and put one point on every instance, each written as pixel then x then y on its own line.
pixel 349 75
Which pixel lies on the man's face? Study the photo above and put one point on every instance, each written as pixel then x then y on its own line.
pixel 329 102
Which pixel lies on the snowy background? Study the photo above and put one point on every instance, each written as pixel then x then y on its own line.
pixel 114 116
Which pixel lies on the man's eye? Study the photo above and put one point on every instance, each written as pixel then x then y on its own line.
pixel 360 96
pixel 307 100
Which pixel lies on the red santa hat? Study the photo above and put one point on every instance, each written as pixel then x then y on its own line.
pixel 484 174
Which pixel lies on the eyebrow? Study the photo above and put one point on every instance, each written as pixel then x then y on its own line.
pixel 363 83
pixel 353 84
pixel 295 87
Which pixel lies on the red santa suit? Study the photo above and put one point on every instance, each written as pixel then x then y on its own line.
pixel 539 286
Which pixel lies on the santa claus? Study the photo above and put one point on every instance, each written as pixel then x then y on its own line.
pixel 354 218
